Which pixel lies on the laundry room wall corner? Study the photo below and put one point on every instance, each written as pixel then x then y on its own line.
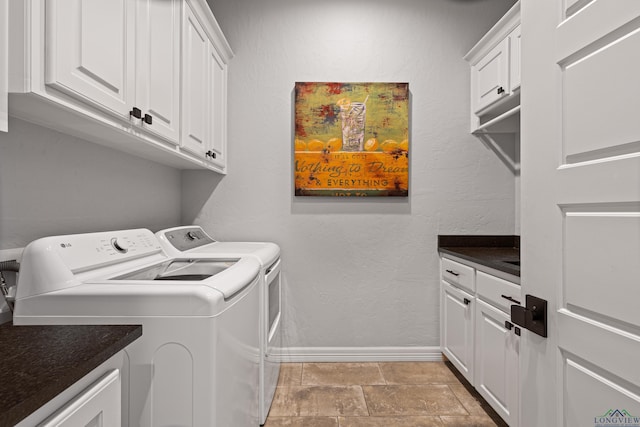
pixel 361 277
pixel 198 187
pixel 52 184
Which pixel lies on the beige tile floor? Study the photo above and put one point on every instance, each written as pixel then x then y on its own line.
pixel 394 394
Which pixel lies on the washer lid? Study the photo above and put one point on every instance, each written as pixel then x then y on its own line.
pixel 266 252
pixel 103 297
pixel 180 270
pixel 228 276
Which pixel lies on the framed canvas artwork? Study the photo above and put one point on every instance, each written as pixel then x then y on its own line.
pixel 351 139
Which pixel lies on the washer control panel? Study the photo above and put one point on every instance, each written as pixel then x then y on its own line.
pixel 82 252
pixel 186 238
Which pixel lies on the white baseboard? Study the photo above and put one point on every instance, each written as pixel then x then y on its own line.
pixel 358 354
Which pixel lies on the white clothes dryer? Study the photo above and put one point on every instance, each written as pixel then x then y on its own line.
pixel 197 362
pixel 192 241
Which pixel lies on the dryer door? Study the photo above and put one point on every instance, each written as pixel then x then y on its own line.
pixel 273 307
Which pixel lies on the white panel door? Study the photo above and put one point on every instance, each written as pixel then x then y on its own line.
pixel 217 109
pixel 195 86
pixel 90 48
pixel 457 328
pixel 581 211
pixel 158 65
pixel 496 361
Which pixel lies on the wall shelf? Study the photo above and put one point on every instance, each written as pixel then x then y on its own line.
pixel 507 122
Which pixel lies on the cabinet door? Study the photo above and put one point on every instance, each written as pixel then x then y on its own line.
pixel 158 66
pixel 98 405
pixel 195 86
pixel 491 75
pixel 217 137
pixel 457 329
pixel 90 51
pixel 496 363
pixel 514 58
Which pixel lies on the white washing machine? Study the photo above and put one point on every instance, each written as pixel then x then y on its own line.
pixel 197 362
pixel 192 241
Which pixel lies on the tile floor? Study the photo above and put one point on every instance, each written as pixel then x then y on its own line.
pixel 394 394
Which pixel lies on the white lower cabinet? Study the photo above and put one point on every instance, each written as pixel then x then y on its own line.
pixel 100 398
pixel 457 331
pixel 98 405
pixel 496 361
pixel 478 337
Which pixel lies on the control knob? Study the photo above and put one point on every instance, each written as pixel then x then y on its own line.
pixel 120 246
pixel 191 235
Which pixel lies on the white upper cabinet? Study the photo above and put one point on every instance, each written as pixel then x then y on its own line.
pixel 204 100
pixel 491 76
pixel 121 56
pixel 217 144
pixel 514 58
pixel 158 66
pixel 495 77
pixel 90 48
pixel 130 74
pixel 195 48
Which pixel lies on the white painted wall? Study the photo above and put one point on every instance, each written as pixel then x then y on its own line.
pixel 4 64
pixel 51 183
pixel 358 273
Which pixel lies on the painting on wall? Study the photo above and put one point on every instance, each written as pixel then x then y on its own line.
pixel 351 139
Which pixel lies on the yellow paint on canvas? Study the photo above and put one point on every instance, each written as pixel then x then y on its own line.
pixel 364 173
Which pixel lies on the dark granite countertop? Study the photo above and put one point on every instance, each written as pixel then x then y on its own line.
pixel 498 252
pixel 39 362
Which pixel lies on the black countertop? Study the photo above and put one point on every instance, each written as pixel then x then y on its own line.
pixel 497 252
pixel 39 362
